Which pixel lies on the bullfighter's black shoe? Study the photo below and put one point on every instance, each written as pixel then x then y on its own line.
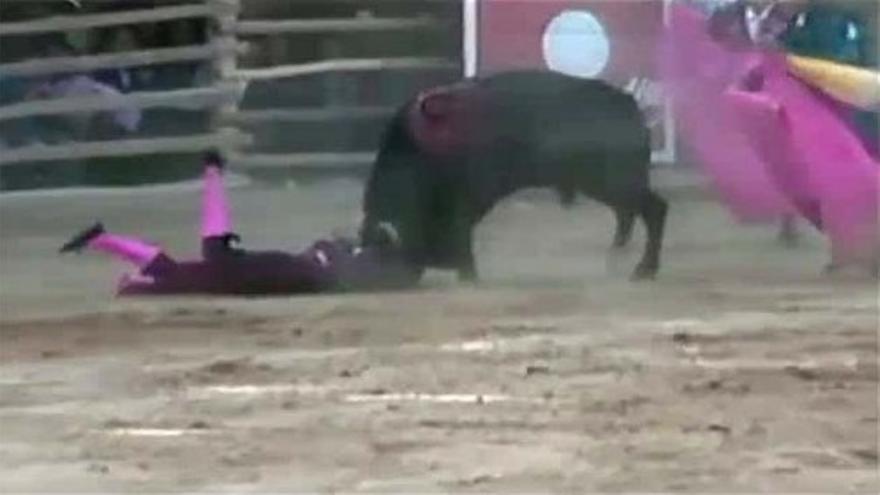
pixel 213 158
pixel 81 240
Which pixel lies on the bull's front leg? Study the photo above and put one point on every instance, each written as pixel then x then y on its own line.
pixel 462 231
pixel 625 218
pixel 467 271
pixel 788 234
pixel 653 211
pixel 466 264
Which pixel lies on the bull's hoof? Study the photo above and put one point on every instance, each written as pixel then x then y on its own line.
pixel 789 240
pixel 831 268
pixel 620 246
pixel 469 277
pixel 842 270
pixel 644 272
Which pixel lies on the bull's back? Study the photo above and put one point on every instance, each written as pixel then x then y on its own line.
pixel 569 130
pixel 542 104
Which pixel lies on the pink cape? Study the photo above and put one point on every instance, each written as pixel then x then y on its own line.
pixel 814 156
pixel 696 70
pixel 767 140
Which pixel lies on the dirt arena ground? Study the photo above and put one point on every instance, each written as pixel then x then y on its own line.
pixel 741 369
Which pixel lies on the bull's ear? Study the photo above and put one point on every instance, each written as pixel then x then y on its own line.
pixel 436 105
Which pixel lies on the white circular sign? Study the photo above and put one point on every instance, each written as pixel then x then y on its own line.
pixel 575 43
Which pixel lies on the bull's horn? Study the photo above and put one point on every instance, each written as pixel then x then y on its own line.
pixel 853 85
pixel 435 104
pixel 391 235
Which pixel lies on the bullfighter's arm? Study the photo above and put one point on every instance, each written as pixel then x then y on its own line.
pixel 868 11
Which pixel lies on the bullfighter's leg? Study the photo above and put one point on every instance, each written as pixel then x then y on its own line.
pixel 151 261
pixel 135 251
pixel 652 209
pixel 625 218
pixel 216 221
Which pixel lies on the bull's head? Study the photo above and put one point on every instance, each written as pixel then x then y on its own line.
pixel 393 203
pixel 421 148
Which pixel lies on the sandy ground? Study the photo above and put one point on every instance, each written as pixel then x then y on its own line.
pixel 740 369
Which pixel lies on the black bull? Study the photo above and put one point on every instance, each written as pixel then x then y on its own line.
pixel 451 154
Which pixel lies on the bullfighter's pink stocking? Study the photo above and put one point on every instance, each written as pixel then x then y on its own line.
pixel 135 251
pixel 216 218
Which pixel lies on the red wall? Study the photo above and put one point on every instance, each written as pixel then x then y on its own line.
pixel 510 33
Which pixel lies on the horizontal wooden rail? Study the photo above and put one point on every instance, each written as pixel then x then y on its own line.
pixel 343 65
pixel 355 24
pixel 310 115
pixel 88 21
pixel 188 99
pixel 60 65
pixel 319 161
pixel 227 139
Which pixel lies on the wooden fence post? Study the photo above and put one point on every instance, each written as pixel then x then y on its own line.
pixel 225 65
pixel 341 95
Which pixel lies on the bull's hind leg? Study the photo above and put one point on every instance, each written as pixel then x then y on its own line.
pixel 467 269
pixel 625 221
pixel 652 208
pixel 452 238
pixel 788 233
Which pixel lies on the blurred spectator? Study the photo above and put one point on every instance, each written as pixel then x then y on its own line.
pixel 830 33
pixel 834 30
pixel 166 34
pixel 125 119
pixel 64 127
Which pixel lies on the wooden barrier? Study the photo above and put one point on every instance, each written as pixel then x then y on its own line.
pixel 81 22
pixel 222 98
pixel 60 65
pixel 349 65
pixel 226 91
pixel 310 115
pixel 190 99
pixel 356 24
pixel 321 161
pixel 125 147
pixel 225 65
